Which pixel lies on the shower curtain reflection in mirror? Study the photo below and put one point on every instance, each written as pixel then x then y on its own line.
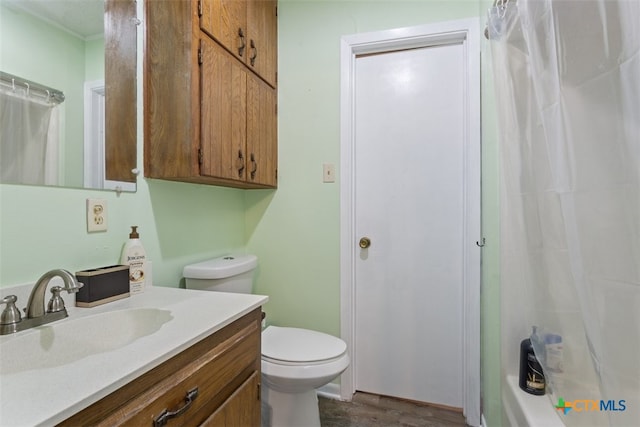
pixel 29 138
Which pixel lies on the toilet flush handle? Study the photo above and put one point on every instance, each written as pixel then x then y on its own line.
pixel 365 242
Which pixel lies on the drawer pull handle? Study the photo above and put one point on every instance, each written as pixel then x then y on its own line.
pixel 166 415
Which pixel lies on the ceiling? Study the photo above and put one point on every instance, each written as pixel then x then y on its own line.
pixel 82 18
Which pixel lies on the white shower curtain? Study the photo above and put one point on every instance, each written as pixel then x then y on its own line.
pixel 29 135
pixel 567 79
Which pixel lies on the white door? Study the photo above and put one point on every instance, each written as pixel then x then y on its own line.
pixel 409 201
pixel 411 186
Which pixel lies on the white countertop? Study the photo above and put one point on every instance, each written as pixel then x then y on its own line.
pixel 50 394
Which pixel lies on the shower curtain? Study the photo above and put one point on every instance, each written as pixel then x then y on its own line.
pixel 567 84
pixel 29 138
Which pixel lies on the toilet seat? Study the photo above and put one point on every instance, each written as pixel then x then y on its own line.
pixel 294 346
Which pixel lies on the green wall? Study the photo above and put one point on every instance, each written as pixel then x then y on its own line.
pixel 45 228
pixel 94 59
pixel 295 230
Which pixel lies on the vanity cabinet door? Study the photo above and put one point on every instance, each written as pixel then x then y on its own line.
pixel 241 408
pixel 203 379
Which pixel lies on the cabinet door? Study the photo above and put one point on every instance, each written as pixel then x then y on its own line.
pixel 262 146
pixel 226 21
pixel 120 80
pixel 262 25
pixel 242 409
pixel 223 113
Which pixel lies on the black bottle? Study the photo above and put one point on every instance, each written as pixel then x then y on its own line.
pixel 531 376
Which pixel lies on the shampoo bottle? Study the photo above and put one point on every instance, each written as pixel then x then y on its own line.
pixel 134 256
pixel 531 376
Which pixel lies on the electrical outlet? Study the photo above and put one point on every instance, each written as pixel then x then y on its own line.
pixel 96 215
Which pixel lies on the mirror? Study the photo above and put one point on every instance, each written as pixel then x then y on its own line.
pixel 87 50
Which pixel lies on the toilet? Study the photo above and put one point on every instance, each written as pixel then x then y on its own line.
pixel 295 362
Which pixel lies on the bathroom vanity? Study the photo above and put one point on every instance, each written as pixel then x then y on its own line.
pixel 167 354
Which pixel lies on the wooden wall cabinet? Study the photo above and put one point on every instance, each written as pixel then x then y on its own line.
pixel 210 110
pixel 247 29
pixel 120 84
pixel 224 369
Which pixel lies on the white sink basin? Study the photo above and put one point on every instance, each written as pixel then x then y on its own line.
pixel 64 342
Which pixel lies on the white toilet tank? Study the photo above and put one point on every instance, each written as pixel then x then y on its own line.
pixel 230 273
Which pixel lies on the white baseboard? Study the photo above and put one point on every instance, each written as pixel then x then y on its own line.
pixel 483 421
pixel 330 391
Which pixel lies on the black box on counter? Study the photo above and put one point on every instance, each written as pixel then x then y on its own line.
pixel 102 285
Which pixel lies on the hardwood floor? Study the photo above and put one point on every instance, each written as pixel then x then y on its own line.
pixel 369 410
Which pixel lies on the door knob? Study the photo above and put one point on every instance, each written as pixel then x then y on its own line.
pixel 365 242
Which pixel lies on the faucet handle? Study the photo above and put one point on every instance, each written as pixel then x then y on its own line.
pixel 56 303
pixel 10 315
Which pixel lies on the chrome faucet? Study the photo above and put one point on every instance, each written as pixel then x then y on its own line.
pixel 35 306
pixel 11 320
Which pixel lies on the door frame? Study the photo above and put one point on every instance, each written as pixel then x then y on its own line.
pixel 94 141
pixel 465 32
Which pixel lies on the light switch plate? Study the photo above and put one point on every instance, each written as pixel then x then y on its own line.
pixel 96 215
pixel 328 172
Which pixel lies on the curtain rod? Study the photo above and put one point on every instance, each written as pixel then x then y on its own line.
pixel 32 88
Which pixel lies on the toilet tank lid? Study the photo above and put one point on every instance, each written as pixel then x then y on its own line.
pixel 220 268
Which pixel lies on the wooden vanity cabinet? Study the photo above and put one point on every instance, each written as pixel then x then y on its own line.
pixel 211 116
pixel 224 369
pixel 234 412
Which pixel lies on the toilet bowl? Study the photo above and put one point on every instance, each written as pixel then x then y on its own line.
pixel 295 362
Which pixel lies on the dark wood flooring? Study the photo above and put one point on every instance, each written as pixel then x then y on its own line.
pixel 369 410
